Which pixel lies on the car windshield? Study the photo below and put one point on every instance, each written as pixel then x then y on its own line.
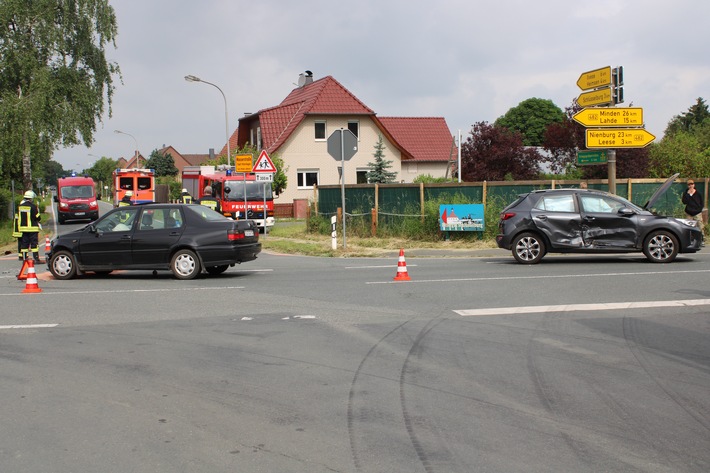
pixel 254 190
pixel 75 192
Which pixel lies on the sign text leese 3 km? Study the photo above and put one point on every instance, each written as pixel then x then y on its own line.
pixel 619 138
pixel 630 116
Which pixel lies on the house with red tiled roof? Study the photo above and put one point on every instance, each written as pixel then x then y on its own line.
pixel 180 160
pixel 298 128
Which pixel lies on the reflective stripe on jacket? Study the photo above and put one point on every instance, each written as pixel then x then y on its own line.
pixel 28 217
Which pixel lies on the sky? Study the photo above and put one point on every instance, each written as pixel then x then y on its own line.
pixel 465 60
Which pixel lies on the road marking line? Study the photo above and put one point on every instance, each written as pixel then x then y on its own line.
pixel 580 307
pixel 376 267
pixel 123 291
pixel 6 327
pixel 552 276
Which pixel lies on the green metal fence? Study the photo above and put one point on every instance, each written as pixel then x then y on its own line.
pixel 409 199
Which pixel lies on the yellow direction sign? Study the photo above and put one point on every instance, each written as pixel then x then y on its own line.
pixel 242 163
pixel 594 79
pixel 595 97
pixel 630 116
pixel 619 138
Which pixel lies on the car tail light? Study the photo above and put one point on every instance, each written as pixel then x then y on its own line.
pixel 237 234
pixel 507 215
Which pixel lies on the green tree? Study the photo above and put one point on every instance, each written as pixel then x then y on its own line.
pixel 696 115
pixel 531 118
pixel 54 78
pixel 680 152
pixel 378 172
pixel 162 163
pixel 102 170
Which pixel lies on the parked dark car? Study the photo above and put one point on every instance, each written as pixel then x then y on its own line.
pixel 185 239
pixel 591 221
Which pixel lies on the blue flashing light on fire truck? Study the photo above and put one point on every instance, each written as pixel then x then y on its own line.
pixel 239 194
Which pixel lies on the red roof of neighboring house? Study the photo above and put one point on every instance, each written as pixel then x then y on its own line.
pixel 426 138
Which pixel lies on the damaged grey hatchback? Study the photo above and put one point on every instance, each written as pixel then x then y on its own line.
pixel 591 221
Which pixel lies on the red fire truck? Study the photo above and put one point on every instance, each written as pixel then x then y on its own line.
pixel 239 194
pixel 139 181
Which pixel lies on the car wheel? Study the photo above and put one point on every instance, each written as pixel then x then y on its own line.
pixel 528 248
pixel 62 265
pixel 661 247
pixel 214 270
pixel 185 264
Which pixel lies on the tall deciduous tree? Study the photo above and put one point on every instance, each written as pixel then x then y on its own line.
pixel 531 118
pixel 163 163
pixel 696 115
pixel 378 172
pixel 54 78
pixel 497 153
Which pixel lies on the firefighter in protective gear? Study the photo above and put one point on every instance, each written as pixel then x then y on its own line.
pixel 125 202
pixel 185 197
pixel 209 201
pixel 28 218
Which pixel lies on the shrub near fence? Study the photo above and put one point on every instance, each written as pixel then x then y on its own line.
pixel 397 203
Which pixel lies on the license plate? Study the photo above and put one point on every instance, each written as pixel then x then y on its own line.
pixel 80 213
pixel 249 233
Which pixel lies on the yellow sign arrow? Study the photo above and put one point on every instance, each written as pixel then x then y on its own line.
pixel 619 138
pixel 595 97
pixel 596 78
pixel 630 116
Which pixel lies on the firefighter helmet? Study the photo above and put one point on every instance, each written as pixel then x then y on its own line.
pixel 129 193
pixel 30 195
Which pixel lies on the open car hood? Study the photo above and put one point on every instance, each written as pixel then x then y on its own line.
pixel 660 191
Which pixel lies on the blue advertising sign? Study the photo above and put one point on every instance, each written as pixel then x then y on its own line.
pixel 461 218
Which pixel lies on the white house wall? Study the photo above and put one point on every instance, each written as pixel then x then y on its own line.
pixel 302 151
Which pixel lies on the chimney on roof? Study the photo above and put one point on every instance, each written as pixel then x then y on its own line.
pixel 305 78
pixel 211 153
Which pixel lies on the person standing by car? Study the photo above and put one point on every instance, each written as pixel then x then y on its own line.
pixel 693 200
pixel 28 218
pixel 185 197
pixel 126 200
pixel 209 201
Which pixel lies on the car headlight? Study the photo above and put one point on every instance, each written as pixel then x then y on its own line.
pixel 688 222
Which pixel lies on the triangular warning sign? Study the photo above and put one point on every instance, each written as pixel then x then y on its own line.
pixel 23 271
pixel 264 164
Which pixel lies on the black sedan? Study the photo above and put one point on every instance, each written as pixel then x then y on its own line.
pixel 590 221
pixel 185 239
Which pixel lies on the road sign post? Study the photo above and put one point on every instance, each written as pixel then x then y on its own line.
pixel 342 145
pixel 595 79
pixel 610 117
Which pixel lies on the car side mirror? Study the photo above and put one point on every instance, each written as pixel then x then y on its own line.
pixel 227 190
pixel 55 198
pixel 626 212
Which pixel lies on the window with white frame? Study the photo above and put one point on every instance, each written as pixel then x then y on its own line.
pixel 320 130
pixel 307 178
pixel 362 175
pixel 354 126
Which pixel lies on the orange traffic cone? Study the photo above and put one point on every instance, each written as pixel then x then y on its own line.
pixel 402 274
pixel 23 271
pixel 47 245
pixel 31 285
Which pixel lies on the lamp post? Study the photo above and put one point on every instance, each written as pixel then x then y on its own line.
pixel 191 78
pixel 135 141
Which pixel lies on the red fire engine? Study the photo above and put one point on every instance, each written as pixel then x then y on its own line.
pixel 239 198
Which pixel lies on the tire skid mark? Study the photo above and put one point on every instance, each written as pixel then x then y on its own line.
pixel 547 395
pixel 632 337
pixel 354 448
pixel 416 443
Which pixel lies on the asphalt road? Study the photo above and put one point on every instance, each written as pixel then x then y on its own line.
pixel 299 364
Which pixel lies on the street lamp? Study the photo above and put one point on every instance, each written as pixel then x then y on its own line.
pixel 136 142
pixel 192 78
